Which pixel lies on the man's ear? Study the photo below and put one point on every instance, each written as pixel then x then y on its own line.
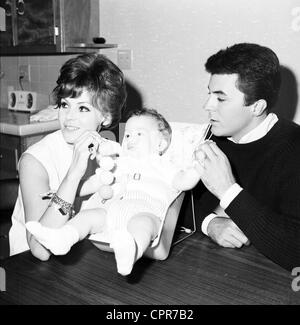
pixel 259 107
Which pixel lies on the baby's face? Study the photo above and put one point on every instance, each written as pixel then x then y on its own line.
pixel 142 137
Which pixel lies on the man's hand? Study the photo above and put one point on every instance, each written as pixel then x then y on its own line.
pixel 226 233
pixel 216 173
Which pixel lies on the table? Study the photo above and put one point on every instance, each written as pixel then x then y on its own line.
pixel 197 272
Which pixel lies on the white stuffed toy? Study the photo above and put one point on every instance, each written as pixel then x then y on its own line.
pixel 106 157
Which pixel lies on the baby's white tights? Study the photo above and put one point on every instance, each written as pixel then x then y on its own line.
pixel 125 250
pixel 58 240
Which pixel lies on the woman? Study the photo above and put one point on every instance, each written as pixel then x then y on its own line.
pixel 90 93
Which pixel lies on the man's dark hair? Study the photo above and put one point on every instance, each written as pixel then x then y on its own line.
pixel 257 67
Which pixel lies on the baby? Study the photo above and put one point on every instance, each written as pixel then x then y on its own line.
pixel 145 184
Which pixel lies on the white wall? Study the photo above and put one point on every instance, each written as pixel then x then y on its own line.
pixel 171 40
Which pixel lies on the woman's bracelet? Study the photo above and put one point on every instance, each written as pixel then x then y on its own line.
pixel 64 207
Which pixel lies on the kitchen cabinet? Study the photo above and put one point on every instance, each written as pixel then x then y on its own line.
pixel 17 133
pixel 11 148
pixel 50 27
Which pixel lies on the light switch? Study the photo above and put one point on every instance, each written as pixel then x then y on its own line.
pixel 125 59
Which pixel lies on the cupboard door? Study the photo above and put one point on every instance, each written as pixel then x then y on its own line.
pixel 29 27
pixel 50 26
pixel 6 37
pixel 8 162
pixel 35 22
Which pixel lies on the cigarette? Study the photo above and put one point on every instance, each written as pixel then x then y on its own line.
pixel 207 132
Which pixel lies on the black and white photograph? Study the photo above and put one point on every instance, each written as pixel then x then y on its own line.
pixel 149 155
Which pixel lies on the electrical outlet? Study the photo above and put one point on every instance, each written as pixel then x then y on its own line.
pixel 24 72
pixel 125 59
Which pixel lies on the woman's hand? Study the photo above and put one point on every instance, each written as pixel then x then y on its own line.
pixel 85 147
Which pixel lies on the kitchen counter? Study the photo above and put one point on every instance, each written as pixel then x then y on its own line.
pixel 18 124
pixel 17 133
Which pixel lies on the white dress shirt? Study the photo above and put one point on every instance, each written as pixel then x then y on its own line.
pixel 260 131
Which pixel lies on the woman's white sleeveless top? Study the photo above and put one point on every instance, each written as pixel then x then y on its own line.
pixel 55 155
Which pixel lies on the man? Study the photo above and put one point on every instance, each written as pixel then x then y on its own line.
pixel 252 163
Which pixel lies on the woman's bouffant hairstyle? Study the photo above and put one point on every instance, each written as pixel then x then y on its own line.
pixel 99 76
